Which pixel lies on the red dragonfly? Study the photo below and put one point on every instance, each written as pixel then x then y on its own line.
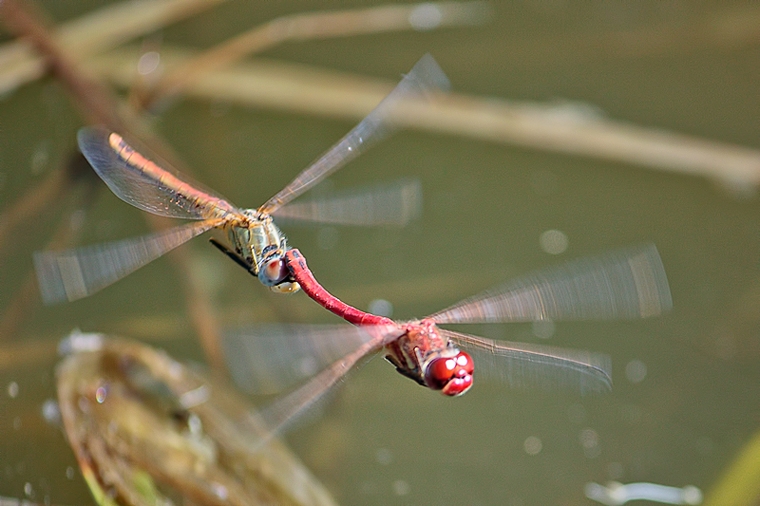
pixel 257 243
pixel 625 284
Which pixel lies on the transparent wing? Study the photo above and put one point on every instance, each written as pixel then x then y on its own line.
pixel 522 365
pixel 270 358
pixel 138 181
pixel 425 77
pixel 393 204
pixel 625 284
pixel 77 273
pixel 290 407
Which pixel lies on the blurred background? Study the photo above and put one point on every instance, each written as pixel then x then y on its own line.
pixel 582 127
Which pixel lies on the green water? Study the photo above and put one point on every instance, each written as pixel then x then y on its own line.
pixel 384 440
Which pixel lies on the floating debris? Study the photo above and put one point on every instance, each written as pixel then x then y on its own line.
pixel 143 434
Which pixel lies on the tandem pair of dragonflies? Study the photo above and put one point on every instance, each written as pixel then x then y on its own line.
pixel 623 284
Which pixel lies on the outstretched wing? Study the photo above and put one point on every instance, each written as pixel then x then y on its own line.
pixel 289 408
pixel 531 365
pixel 139 181
pixel 77 273
pixel 625 284
pixel 393 204
pixel 425 77
pixel 269 358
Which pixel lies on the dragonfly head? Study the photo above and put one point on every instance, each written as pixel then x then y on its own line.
pixel 274 273
pixel 452 375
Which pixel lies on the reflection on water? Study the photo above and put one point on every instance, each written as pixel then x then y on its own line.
pixel 615 493
pixel 685 386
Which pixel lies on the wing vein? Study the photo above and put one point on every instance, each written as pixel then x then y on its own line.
pixel 425 77
pixel 624 284
pixel 76 273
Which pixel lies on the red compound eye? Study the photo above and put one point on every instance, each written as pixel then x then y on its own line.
pixel 273 272
pixel 450 375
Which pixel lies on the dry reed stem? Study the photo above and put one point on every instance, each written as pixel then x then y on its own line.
pixel 299 88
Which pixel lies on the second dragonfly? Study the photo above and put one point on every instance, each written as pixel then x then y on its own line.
pixel 257 243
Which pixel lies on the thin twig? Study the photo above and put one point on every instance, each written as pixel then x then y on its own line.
pixel 23 300
pixel 94 101
pixel 32 203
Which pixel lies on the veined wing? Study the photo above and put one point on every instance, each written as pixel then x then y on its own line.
pixel 77 273
pixel 425 77
pixel 269 358
pixel 530 365
pixel 288 408
pixel 625 284
pixel 393 204
pixel 138 181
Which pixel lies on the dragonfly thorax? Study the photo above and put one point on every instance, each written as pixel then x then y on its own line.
pixel 262 246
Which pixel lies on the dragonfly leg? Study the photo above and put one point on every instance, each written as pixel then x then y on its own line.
pixel 234 256
pixel 403 370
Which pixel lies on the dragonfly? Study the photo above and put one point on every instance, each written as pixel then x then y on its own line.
pixel 257 244
pixel 623 284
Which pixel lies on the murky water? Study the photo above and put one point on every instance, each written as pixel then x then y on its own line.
pixel 686 385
